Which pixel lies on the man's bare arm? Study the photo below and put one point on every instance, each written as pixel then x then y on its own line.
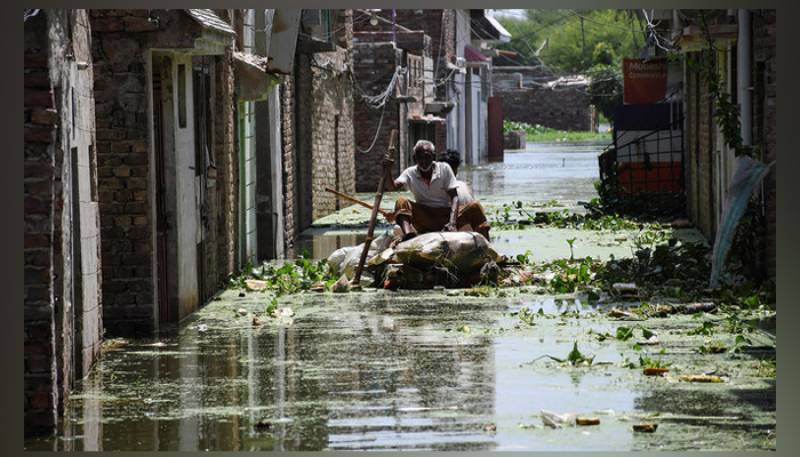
pixel 451 225
pixel 390 183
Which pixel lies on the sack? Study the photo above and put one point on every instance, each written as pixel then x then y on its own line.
pixel 461 253
pixel 344 261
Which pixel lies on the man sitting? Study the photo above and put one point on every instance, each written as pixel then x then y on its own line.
pixel 436 206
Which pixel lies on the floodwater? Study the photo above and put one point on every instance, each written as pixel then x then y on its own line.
pixel 384 370
pixel 541 172
pixel 425 370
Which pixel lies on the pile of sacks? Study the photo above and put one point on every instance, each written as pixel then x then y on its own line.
pixel 450 259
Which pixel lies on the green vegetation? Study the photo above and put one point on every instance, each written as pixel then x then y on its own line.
pixel 590 42
pixel 519 214
pixel 288 278
pixel 541 134
pixel 573 41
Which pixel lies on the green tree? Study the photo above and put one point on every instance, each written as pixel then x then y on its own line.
pixel 605 89
pixel 573 41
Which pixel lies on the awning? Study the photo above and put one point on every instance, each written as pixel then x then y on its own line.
pixel 253 82
pixel 486 28
pixel 209 19
pixel 474 55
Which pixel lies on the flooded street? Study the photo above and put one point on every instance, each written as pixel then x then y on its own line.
pixel 432 370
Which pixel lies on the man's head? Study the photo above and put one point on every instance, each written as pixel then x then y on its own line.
pixel 424 152
pixel 453 158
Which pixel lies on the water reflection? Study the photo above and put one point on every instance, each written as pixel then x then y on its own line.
pixel 389 374
pixel 539 173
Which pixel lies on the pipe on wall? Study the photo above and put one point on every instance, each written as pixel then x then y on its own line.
pixel 744 59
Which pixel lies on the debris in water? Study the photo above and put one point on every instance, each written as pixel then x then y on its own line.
pixel 529 426
pixel 700 378
pixel 490 427
pixel 626 289
pixel 202 328
pixel 645 428
pixel 653 371
pixel 620 314
pixel 241 312
pixel 554 420
pixel 698 308
pixel 241 294
pixel 256 321
pixel 255 284
pixel 342 285
pixel 605 412
pixel 585 421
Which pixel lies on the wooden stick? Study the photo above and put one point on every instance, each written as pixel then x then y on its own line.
pixel 374 217
pixel 389 215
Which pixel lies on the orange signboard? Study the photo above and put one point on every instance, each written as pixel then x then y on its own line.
pixel 645 81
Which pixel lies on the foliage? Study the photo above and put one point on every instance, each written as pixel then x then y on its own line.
pixel 288 278
pixel 605 88
pixel 569 275
pixel 572 41
pixel 518 214
pixel 540 134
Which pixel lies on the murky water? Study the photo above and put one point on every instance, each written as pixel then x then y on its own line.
pixel 383 370
pixel 541 172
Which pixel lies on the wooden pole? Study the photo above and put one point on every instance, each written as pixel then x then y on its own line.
pixel 374 217
pixel 387 214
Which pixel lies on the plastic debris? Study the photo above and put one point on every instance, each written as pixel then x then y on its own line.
pixel 255 284
pixel 342 285
pixel 586 421
pixel 645 428
pixel 652 371
pixel 554 420
pixel 700 378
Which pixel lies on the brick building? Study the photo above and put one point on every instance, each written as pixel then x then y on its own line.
pixel 443 85
pixel 709 161
pixel 534 96
pixel 316 107
pixel 163 91
pixel 63 315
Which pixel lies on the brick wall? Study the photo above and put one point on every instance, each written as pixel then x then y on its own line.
pixel 373 67
pixel 62 315
pixel 563 109
pixel 40 239
pixel 324 122
pixel 438 24
pixel 290 204
pixel 123 161
pixel 765 120
pixel 226 173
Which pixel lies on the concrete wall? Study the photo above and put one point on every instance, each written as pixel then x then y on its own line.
pixel 525 101
pixel 63 317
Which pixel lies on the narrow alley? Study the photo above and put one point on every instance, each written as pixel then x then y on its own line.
pixel 396 229
pixel 439 370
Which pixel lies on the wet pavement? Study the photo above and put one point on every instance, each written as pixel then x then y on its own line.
pixel 438 370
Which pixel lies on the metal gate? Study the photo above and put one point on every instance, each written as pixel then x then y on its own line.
pixel 646 161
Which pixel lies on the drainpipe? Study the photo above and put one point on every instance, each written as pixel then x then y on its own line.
pixel 743 70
